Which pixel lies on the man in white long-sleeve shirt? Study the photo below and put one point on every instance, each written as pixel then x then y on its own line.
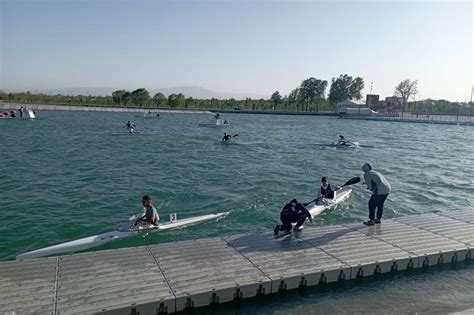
pixel 380 188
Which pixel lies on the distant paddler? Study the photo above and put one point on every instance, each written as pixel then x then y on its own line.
pixel 130 127
pixel 343 141
pixel 228 137
pixel 292 212
pixel 151 216
pixel 217 116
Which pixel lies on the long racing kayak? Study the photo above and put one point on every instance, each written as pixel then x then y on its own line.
pixel 125 231
pixel 340 197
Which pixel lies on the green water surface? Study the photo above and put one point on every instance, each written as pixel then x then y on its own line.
pixel 68 175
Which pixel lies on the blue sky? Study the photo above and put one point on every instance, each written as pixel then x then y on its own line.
pixel 237 46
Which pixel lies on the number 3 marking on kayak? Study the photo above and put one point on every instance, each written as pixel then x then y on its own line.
pixel 173 217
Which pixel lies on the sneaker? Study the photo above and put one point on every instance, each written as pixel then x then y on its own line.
pixel 377 221
pixel 298 228
pixel 369 222
pixel 277 229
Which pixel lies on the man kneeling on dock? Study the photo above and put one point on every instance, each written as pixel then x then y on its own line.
pixel 292 212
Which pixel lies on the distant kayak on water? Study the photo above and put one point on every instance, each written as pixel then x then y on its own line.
pixel 353 145
pixel 215 121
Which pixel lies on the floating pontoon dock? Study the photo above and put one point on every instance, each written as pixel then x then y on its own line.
pixel 173 277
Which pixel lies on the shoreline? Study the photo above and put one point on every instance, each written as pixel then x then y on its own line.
pixel 433 119
pixel 88 108
pixel 108 108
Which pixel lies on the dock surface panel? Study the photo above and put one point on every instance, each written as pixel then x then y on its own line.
pixel 173 277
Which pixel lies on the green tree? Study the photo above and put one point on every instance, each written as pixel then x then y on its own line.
pixel 310 90
pixel 293 98
pixel 159 99
pixel 405 90
pixel 140 97
pixel 126 98
pixel 276 99
pixel 117 97
pixel 176 100
pixel 344 88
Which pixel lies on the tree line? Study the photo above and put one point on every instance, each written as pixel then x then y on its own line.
pixel 309 96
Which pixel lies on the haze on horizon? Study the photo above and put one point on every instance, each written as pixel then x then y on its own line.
pixel 238 47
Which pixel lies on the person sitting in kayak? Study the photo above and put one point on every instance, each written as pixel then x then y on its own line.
pixel 151 215
pixel 292 212
pixel 226 137
pixel 326 193
pixel 217 116
pixel 130 127
pixel 342 140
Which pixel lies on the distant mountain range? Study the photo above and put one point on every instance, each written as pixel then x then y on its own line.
pixel 188 91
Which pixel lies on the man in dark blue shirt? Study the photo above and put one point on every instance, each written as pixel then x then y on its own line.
pixel 292 212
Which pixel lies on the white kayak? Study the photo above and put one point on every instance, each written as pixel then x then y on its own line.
pixel 340 197
pixel 125 231
pixel 346 145
pixel 215 123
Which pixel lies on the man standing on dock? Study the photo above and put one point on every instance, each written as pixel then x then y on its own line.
pixel 380 188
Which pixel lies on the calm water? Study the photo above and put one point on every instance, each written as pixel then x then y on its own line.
pixel 68 175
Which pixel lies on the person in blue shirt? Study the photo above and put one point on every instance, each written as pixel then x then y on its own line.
pixel 151 216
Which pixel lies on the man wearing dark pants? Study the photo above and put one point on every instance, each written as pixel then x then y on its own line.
pixel 292 212
pixel 380 188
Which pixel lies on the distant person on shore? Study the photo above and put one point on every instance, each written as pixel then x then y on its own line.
pixel 292 212
pixel 151 215
pixel 380 188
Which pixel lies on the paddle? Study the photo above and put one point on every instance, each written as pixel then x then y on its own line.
pixel 351 181
pixel 235 135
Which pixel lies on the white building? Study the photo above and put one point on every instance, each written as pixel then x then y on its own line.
pixel 350 107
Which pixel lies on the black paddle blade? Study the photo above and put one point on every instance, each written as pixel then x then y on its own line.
pixel 235 135
pixel 352 181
